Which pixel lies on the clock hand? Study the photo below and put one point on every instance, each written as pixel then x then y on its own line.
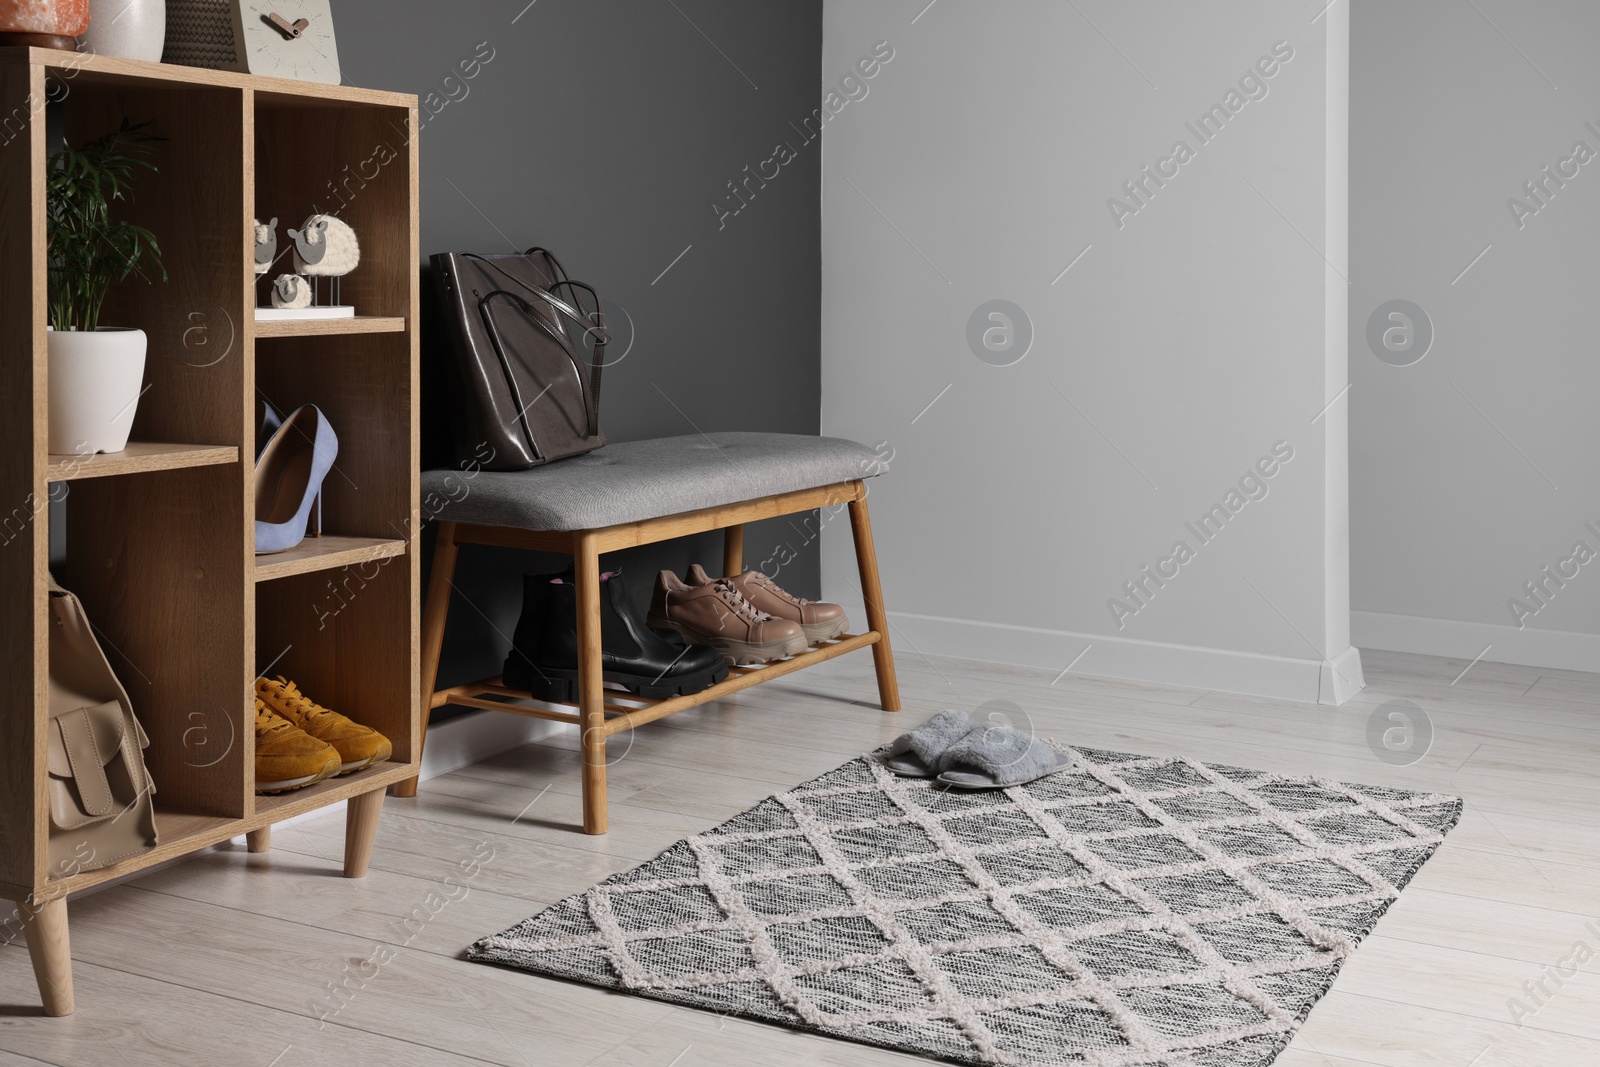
pixel 300 26
pixel 290 30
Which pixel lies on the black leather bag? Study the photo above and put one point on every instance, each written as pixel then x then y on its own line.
pixel 528 344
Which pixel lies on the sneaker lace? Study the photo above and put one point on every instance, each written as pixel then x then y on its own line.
pixel 269 721
pixel 777 590
pixel 738 602
pixel 299 703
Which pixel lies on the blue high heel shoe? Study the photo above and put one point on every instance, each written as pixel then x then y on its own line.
pixel 289 474
pixel 268 419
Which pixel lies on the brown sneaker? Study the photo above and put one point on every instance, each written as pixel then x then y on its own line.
pixel 357 746
pixel 286 756
pixel 716 614
pixel 820 621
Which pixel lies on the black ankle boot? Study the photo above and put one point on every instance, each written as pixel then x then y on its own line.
pixel 544 648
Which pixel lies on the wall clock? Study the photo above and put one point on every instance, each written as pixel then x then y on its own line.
pixel 275 38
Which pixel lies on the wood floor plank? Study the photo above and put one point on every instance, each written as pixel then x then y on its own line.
pixel 1393 1033
pixel 434 851
pixel 399 909
pixel 345 979
pixel 1454 920
pixel 139 1021
pixel 1476 983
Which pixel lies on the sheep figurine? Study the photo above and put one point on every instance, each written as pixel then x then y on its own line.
pixel 325 247
pixel 291 291
pixel 266 245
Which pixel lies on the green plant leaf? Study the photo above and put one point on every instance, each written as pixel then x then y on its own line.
pixel 86 251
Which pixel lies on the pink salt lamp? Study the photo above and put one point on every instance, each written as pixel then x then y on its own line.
pixel 43 23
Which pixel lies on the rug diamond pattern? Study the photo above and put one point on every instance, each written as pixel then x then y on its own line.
pixel 1127 911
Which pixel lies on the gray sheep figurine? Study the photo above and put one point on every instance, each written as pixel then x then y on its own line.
pixel 290 291
pixel 325 247
pixel 266 245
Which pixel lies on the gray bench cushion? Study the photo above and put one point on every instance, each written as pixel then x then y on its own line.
pixel 635 480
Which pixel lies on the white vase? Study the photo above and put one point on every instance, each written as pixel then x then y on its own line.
pixel 126 29
pixel 95 381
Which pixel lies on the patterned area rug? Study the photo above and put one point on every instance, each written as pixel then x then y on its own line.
pixel 1126 911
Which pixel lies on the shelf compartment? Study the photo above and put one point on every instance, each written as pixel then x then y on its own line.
pixel 158 563
pixel 336 634
pixel 329 327
pixel 179 832
pixel 140 457
pixel 182 833
pixel 325 553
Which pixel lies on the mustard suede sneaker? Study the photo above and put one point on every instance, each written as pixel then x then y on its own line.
pixel 359 747
pixel 286 756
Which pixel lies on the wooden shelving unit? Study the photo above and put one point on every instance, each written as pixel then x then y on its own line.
pixel 160 536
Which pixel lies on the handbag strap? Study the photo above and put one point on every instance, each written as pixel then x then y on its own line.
pixel 587 385
pixel 557 271
pixel 602 337
pixel 593 326
pixel 86 759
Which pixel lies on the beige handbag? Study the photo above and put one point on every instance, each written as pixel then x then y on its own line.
pixel 100 806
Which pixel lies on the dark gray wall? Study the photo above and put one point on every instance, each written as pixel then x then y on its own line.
pixel 604 130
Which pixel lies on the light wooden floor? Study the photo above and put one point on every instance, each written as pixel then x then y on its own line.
pixel 228 958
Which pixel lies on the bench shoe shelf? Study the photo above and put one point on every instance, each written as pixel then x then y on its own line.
pixel 158 538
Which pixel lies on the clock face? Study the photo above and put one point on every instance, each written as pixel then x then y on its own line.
pixel 287 39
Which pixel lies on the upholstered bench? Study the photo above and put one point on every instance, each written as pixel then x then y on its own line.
pixel 637 493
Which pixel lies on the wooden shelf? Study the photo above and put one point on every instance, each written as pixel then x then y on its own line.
pixel 180 833
pixel 111 73
pixel 140 457
pixel 324 554
pixel 329 327
pixel 271 809
pixel 183 832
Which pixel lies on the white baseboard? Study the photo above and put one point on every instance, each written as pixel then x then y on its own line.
pixel 1127 658
pixel 466 739
pixel 1529 647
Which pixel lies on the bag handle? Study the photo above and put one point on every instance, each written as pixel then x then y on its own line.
pixel 592 325
pixel 602 337
pixel 556 269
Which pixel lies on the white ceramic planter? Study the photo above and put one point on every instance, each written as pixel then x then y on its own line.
pixel 95 380
pixel 127 29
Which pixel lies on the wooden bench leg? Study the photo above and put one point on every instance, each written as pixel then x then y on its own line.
pixel 872 593
pixel 259 840
pixel 45 926
pixel 591 686
pixel 434 611
pixel 361 814
pixel 733 551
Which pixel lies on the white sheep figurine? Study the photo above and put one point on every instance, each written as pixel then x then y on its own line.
pixel 325 247
pixel 290 291
pixel 266 245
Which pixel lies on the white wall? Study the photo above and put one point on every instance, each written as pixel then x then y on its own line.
pixel 1189 339
pixel 1474 468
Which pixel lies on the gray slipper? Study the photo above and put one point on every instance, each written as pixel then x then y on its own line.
pixel 916 754
pixel 997 757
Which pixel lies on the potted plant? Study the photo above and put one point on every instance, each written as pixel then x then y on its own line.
pixel 95 372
